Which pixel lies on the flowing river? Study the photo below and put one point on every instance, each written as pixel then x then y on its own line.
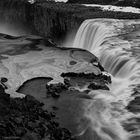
pixel 117 45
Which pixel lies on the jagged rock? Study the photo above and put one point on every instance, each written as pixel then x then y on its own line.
pixel 55 89
pixel 24 119
pixel 94 81
pixel 30 136
pixel 133 105
pixel 3 79
pixel 20 131
pixel 95 86
pixel 54 20
pixel 2 90
pixel 11 138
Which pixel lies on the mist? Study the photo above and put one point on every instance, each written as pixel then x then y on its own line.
pixel 14 28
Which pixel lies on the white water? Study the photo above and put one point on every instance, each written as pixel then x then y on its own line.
pixel 114 43
pixel 115 8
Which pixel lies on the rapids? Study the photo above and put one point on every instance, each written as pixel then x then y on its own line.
pixel 116 44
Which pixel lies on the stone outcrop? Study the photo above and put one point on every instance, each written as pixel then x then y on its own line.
pixel 24 119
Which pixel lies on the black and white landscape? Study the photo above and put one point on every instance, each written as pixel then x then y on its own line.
pixel 69 70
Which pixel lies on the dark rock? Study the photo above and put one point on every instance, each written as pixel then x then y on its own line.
pixel 54 108
pixel 55 95
pixel 95 81
pixel 20 131
pixel 11 138
pixel 30 136
pixel 95 86
pixel 54 20
pixel 18 120
pixel 3 79
pixel 52 114
pixel 67 82
pixel 55 89
pixel 24 119
pixel 2 89
pixel 73 62
pixel 33 125
pixel 134 105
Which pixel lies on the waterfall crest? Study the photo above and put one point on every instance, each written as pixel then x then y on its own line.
pixel 102 39
pixel 115 43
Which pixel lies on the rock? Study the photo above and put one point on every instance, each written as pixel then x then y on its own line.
pixel 24 119
pixel 33 125
pixel 55 89
pixel 11 138
pixel 30 136
pixel 54 20
pixel 3 79
pixel 95 86
pixel 81 79
pixel 133 105
pixel 20 131
pixel 18 120
pixel 2 89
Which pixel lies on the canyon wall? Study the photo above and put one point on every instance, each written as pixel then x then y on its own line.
pixel 53 20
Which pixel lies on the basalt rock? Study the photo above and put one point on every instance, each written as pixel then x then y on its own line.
pixel 24 119
pixel 74 82
pixel 55 89
pixel 104 78
pixel 53 20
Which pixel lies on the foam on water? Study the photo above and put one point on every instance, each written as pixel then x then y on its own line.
pixel 113 42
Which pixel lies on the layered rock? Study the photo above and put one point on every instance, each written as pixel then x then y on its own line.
pixel 53 20
pixel 23 119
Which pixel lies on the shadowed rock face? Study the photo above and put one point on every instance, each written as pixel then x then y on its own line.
pixel 41 18
pixel 53 20
pixel 24 119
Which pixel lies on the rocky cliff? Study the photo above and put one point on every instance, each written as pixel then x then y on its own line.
pixel 45 19
pixel 52 19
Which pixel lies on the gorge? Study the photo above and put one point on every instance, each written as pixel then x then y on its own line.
pixel 83 87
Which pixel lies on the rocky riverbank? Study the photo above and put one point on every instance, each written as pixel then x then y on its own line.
pixel 24 119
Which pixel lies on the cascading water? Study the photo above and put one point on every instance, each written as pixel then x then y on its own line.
pixel 116 44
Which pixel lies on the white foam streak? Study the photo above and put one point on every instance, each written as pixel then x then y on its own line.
pixel 106 39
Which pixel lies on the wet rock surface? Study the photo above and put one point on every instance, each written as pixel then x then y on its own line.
pixel 134 105
pixel 24 119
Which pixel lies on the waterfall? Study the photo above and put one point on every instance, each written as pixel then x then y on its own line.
pixel 101 39
pixel 115 43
